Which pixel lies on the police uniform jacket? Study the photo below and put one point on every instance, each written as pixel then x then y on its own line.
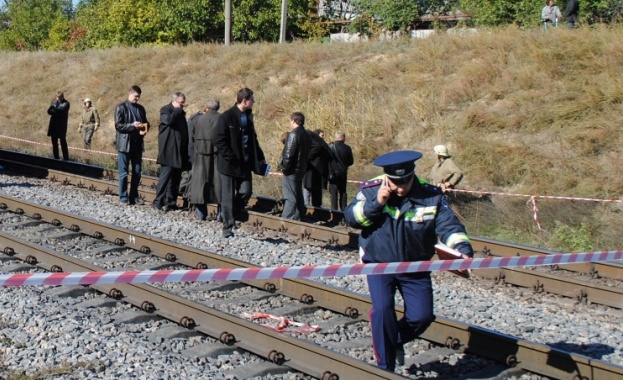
pixel 227 138
pixel 407 228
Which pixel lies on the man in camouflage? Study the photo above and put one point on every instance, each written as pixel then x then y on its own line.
pixel 89 122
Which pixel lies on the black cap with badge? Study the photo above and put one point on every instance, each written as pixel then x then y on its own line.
pixel 399 165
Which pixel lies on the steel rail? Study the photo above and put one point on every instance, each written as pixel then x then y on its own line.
pixel 512 351
pixel 278 348
pixel 262 214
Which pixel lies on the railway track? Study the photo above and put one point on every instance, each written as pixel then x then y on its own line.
pixel 301 355
pixel 446 333
pixel 595 283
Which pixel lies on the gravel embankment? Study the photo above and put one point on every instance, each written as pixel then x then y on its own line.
pixel 41 331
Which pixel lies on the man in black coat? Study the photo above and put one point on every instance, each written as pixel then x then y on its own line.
pixel 239 154
pixel 172 152
pixel 317 168
pixel 572 13
pixel 338 171
pixel 57 129
pixel 293 164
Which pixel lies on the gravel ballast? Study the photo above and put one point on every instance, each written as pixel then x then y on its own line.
pixel 40 330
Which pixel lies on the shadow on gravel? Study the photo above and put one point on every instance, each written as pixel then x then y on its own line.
pixel 592 350
pixel 23 184
pixel 275 240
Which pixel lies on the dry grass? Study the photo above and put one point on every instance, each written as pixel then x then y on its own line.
pixel 532 111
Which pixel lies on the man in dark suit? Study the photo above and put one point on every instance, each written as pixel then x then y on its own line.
pixel 239 155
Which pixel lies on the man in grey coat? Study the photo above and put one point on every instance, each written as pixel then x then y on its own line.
pixel 205 185
pixel 172 152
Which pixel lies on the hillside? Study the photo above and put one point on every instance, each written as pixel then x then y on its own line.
pixel 523 112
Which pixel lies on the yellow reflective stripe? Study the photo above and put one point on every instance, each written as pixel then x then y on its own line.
pixel 457 238
pixel 359 215
pixel 394 212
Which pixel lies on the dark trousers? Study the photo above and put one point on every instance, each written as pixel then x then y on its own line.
pixel 235 193
pixel 313 194
pixel 124 160
pixel 387 332
pixel 294 207
pixel 64 148
pixel 337 189
pixel 168 186
pixel 87 136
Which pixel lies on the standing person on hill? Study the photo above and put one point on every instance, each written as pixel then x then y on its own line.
pixel 89 123
pixel 338 171
pixel 445 173
pixel 205 186
pixel 401 220
pixel 572 13
pixel 239 155
pixel 172 152
pixel 57 128
pixel 317 168
pixel 131 125
pixel 550 14
pixel 293 163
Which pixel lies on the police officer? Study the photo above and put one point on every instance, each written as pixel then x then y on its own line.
pixel 401 220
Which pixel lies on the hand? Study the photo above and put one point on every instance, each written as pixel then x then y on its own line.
pixel 385 191
pixel 80 129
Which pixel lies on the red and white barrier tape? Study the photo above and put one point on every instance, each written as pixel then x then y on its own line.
pixel 70 147
pixel 535 212
pixel 532 197
pixel 283 324
pixel 537 196
pixel 335 270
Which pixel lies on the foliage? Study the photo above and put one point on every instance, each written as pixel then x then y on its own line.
pixel 34 24
pixel 491 12
pixel 260 20
pixel 391 14
pixel 573 239
pixel 602 11
pixel 528 12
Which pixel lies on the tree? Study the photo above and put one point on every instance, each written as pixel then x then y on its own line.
pixel 35 24
pixel 489 12
pixel 259 20
pixel 390 14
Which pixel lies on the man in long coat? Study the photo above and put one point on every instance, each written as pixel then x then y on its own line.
pixel 172 152
pixel 57 129
pixel 239 155
pixel 205 185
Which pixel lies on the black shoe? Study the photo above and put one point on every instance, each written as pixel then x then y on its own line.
pixel 157 208
pixel 171 208
pixel 400 355
pixel 227 233
pixel 138 201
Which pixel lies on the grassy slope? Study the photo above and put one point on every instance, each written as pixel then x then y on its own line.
pixel 529 112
